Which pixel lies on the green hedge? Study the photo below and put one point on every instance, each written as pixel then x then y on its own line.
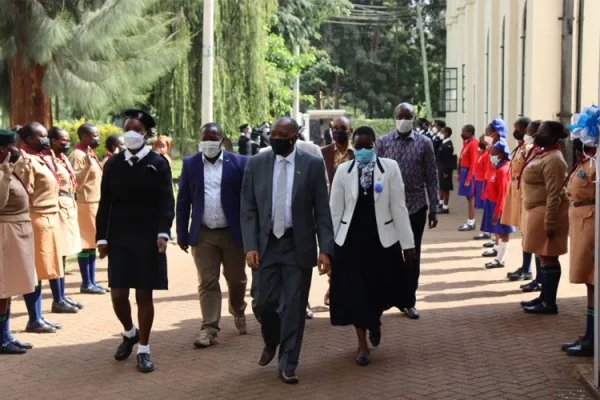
pixel 380 126
pixel 105 130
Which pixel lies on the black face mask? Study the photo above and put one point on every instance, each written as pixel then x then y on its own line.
pixel 281 146
pixel 518 135
pixel 45 143
pixel 340 137
pixel 542 141
pixel 95 143
pixel 64 148
pixel 14 155
pixel 482 146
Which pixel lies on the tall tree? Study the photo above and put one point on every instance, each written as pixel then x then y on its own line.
pixel 99 55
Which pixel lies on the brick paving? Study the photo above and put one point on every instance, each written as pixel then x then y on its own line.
pixel 472 342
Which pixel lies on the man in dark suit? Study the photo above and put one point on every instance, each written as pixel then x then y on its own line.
pixel 211 184
pixel 341 149
pixel 284 203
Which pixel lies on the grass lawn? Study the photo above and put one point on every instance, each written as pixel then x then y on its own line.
pixel 176 168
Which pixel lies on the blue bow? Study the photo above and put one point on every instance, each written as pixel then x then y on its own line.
pixel 587 125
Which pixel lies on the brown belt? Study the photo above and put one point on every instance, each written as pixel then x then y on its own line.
pixel 582 203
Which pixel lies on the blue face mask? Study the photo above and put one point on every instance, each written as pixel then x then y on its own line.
pixel 364 155
pixel 495 160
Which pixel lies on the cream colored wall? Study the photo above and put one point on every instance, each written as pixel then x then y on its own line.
pixel 468 23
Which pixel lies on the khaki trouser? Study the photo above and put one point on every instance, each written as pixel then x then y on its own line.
pixel 216 247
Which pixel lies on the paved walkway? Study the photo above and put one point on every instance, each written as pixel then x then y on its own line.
pixel 472 342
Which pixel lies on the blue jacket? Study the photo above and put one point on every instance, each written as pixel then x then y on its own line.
pixel 191 196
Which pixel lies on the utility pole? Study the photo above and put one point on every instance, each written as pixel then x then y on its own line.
pixel 566 78
pixel 208 38
pixel 424 59
pixel 296 107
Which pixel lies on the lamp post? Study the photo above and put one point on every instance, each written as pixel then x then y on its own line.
pixel 208 39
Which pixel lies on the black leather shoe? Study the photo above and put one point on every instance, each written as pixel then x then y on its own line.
pixel 106 289
pixel 466 228
pixel 531 287
pixel 519 270
pixel 288 377
pixel 489 245
pixel 9 348
pixel 489 253
pixel 375 336
pixel 584 349
pixel 266 356
pixel 482 236
pixel 55 325
pixel 494 264
pixel 577 342
pixel 411 313
pixel 444 211
pixel 144 364
pixel 520 276
pixel 541 308
pixel 126 348
pixel 531 303
pixel 74 303
pixel 62 307
pixel 39 326
pixel 92 290
pixel 23 345
pixel 309 313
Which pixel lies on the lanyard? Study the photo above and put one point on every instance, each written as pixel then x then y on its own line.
pixel 28 150
pixel 79 146
pixel 535 154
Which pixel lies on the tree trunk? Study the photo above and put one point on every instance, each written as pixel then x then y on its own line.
pixel 337 92
pixel 57 109
pixel 28 102
pixel 318 98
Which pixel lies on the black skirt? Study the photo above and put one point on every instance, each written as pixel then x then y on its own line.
pixel 446 184
pixel 136 267
pixel 365 277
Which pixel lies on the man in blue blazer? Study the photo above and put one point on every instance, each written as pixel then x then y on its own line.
pixel 210 187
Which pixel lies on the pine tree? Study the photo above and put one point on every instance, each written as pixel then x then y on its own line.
pixel 98 55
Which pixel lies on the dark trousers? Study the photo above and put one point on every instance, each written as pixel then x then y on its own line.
pixel 417 223
pixel 280 295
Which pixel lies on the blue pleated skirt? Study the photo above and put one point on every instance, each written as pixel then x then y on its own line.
pixel 479 201
pixel 488 217
pixel 462 189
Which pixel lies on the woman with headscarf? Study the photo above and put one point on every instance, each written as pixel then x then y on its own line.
pixel 38 173
pixel 581 190
pixel 497 187
pixel 60 142
pixel 134 221
pixel 372 227
pixel 17 263
pixel 547 221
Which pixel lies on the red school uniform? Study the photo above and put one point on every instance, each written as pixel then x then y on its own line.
pixel 481 166
pixel 469 156
pixel 497 186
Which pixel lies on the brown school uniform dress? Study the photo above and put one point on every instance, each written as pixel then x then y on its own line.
pixel 67 207
pixel 513 205
pixel 41 183
pixel 88 173
pixel 17 261
pixel 581 190
pixel 546 205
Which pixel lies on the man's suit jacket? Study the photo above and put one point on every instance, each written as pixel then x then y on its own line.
pixel 393 221
pixel 191 194
pixel 328 156
pixel 310 206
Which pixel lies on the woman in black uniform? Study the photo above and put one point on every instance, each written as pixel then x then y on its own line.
pixel 134 221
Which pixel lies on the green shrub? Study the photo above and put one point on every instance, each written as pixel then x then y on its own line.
pixel 380 126
pixel 105 130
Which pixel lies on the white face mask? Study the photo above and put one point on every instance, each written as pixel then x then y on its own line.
pixel 434 130
pixel 210 149
pixel 528 139
pixel 488 140
pixel 133 140
pixel 404 125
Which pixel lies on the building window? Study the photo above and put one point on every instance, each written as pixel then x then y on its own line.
pixel 450 90
pixel 523 56
pixel 502 60
pixel 464 89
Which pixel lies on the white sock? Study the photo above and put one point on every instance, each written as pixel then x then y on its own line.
pixel 143 349
pixel 441 202
pixel 496 248
pixel 445 207
pixel 502 251
pixel 470 222
pixel 130 333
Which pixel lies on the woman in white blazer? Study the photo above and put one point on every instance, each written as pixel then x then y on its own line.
pixel 371 226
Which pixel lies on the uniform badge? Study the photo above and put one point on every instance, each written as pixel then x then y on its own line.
pixel 493 178
pixel 581 174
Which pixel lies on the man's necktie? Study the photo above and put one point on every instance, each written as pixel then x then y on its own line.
pixel 280 196
pixel 134 159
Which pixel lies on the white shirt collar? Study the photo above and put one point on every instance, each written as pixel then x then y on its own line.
pixel 446 140
pixel 140 154
pixel 290 158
